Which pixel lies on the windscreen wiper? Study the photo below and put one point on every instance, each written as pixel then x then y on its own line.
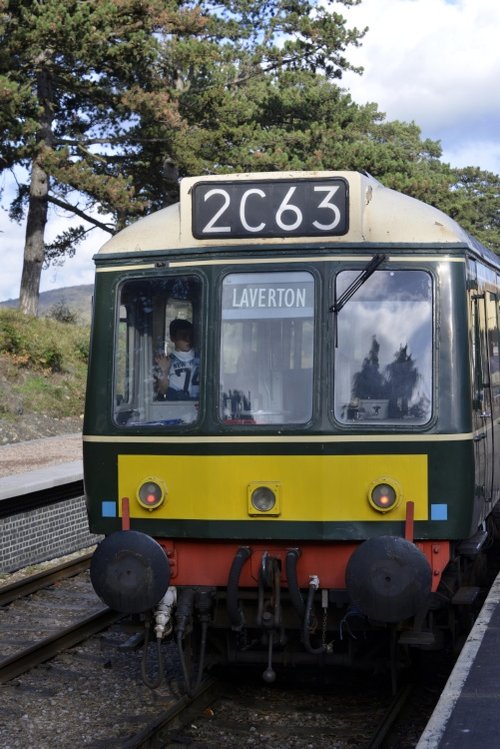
pixel 353 287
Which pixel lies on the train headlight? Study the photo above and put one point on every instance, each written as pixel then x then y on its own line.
pixel 384 495
pixel 263 498
pixel 151 493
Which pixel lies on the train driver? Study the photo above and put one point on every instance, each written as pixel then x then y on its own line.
pixel 177 375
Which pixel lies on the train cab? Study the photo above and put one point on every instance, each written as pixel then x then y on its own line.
pixel 292 388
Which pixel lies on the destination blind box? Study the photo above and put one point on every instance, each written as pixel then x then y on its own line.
pixel 263 208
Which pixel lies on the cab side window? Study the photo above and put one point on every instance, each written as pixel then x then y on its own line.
pixel 157 361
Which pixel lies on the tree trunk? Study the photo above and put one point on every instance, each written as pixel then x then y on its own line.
pixel 34 248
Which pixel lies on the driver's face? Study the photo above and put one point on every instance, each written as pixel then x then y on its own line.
pixel 184 340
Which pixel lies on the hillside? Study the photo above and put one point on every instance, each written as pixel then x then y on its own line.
pixel 43 371
pixel 78 299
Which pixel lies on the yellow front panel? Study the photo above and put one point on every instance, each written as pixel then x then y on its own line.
pixel 313 487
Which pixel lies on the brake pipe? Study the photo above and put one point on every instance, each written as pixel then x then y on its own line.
pixel 292 557
pixel 313 587
pixel 151 683
pixel 233 609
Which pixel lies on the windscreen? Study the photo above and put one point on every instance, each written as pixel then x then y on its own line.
pixel 266 356
pixel 383 358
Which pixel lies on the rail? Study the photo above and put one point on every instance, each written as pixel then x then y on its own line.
pixel 64 638
pixel 31 584
pixel 47 648
pixel 178 715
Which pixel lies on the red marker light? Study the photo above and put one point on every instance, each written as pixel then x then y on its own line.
pixel 383 497
pixel 151 494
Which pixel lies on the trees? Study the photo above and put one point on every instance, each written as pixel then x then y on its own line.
pixel 73 77
pixel 104 103
pixel 407 163
pixel 231 82
pixel 473 201
pixel 100 97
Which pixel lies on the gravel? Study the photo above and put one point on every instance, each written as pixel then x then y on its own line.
pixel 31 454
pixel 89 696
pixel 31 426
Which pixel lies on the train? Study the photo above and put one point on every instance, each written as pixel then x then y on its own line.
pixel 292 423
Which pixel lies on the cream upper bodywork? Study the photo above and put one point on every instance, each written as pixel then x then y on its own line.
pixel 376 214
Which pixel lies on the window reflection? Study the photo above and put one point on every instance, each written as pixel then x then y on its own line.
pixel 383 363
pixel 266 348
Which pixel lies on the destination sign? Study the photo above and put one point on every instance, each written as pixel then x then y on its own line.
pixel 264 208
pixel 252 296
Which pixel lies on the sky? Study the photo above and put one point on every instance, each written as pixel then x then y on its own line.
pixel 435 63
pixel 432 62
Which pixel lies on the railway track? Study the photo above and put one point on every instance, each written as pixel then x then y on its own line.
pixel 287 717
pixel 217 715
pixel 33 583
pixel 25 627
pixel 159 732
pixel 180 723
pixel 48 647
pixel 99 684
pixel 390 716
pixel 23 593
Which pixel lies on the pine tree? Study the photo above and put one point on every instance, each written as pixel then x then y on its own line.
pixel 104 104
pixel 74 79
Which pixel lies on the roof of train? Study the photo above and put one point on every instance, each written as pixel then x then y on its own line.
pixel 377 215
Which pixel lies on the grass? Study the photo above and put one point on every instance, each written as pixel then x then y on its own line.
pixel 43 365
